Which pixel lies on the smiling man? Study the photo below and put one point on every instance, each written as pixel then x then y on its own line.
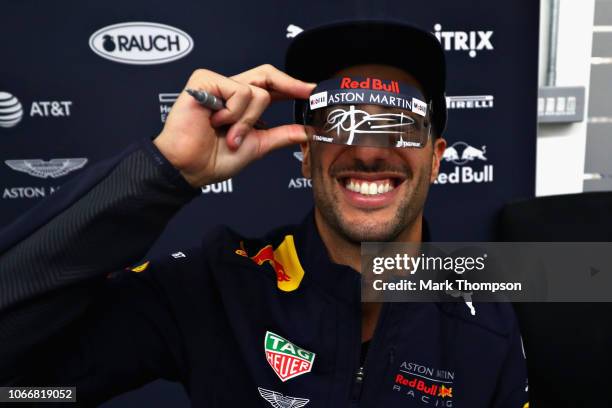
pixel 369 193
pixel 275 321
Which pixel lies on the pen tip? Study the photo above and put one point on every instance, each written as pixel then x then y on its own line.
pixel 190 91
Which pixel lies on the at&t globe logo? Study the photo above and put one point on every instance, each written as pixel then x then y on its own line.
pixel 141 43
pixel 11 110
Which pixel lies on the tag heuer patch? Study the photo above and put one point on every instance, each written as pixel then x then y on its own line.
pixel 286 359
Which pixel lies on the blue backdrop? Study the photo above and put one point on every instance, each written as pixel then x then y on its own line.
pixel 69 92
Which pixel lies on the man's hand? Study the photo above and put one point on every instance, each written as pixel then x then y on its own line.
pixel 210 146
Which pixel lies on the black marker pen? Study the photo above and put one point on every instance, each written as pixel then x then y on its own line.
pixel 214 103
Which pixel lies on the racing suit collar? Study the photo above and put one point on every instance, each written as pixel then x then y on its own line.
pixel 339 280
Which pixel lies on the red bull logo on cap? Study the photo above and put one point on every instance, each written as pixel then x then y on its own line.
pixel 374 84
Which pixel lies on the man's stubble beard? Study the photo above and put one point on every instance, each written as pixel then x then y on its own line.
pixel 410 206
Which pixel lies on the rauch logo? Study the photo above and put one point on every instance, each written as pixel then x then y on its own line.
pixel 141 43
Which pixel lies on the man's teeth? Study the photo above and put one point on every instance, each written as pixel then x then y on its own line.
pixel 369 188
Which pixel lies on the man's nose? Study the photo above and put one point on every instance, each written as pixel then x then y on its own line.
pixel 370 155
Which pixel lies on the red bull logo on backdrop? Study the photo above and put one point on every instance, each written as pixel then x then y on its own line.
pixel 471 165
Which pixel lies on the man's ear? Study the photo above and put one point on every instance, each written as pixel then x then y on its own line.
pixel 306 160
pixel 439 146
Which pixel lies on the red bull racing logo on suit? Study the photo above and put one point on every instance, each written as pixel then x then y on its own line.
pixel 471 165
pixel 286 359
pixel 284 261
pixel 428 385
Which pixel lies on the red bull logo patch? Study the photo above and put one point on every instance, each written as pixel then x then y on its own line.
pixel 286 359
pixel 445 392
pixel 284 261
pixel 370 83
pixel 428 385
pixel 434 390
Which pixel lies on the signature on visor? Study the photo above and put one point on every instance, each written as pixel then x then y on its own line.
pixel 354 121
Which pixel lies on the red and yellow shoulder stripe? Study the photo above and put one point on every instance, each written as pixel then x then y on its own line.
pixel 284 260
pixel 139 268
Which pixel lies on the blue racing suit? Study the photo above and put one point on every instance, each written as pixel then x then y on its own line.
pixel 239 322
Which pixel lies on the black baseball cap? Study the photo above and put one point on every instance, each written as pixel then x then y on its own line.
pixel 319 53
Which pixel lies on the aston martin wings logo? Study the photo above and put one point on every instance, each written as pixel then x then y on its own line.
pixel 278 400
pixel 53 168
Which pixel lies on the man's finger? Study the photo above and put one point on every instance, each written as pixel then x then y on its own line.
pixel 237 97
pixel 260 99
pixel 280 84
pixel 281 136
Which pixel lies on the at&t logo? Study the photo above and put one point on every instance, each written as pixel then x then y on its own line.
pixel 11 110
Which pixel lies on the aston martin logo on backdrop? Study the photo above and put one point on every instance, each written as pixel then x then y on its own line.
pixel 141 43
pixel 53 168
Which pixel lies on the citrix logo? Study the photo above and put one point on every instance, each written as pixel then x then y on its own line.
pixel 471 41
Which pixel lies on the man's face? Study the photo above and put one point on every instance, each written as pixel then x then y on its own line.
pixel 371 193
